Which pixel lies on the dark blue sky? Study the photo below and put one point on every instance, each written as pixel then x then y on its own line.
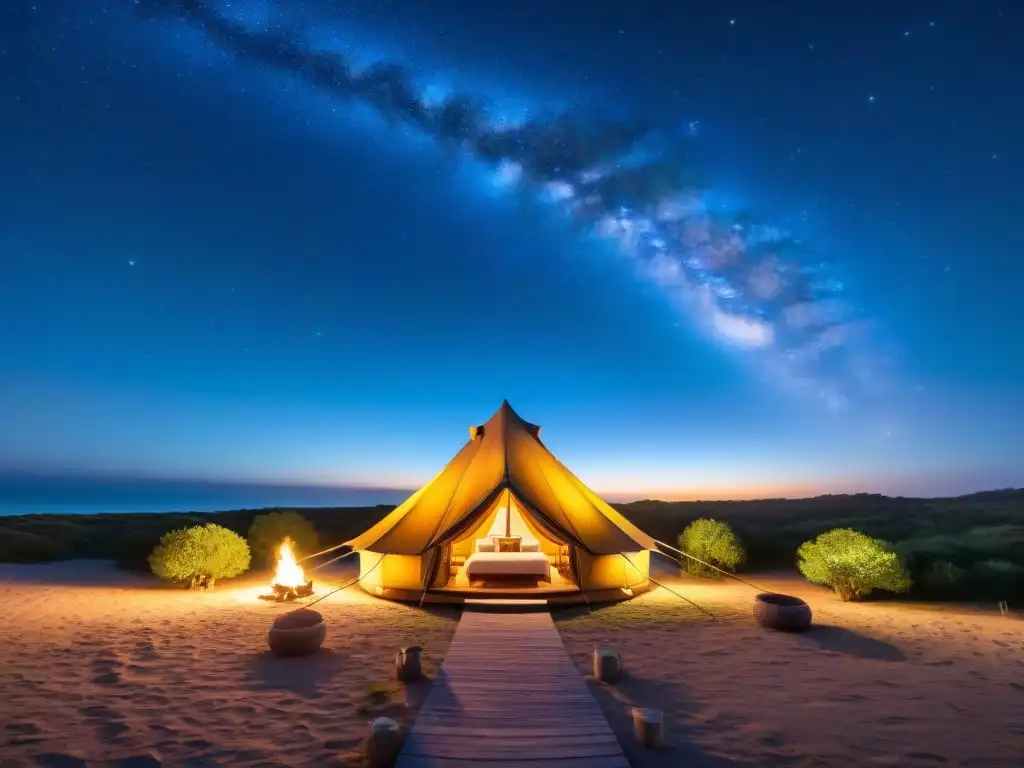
pixel 212 267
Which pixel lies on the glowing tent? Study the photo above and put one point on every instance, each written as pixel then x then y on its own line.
pixel 504 518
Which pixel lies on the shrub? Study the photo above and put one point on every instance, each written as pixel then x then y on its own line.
pixel 995 579
pixel 999 542
pixel 919 551
pixel 268 531
pixel 713 542
pixel 24 547
pixel 852 564
pixel 943 575
pixel 200 555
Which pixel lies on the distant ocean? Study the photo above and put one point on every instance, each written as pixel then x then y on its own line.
pixel 22 495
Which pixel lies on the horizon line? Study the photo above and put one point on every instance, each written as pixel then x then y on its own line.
pixel 665 496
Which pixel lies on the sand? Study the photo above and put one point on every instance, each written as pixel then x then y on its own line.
pixel 99 667
pixel 871 684
pixel 103 668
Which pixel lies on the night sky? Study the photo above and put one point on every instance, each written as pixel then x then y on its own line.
pixel 715 249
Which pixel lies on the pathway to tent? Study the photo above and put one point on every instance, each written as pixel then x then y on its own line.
pixel 508 695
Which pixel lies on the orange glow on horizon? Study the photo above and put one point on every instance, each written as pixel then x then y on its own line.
pixel 710 493
pixel 624 486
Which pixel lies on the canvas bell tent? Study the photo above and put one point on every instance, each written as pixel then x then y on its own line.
pixel 504 518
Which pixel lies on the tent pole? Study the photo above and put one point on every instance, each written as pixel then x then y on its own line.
pixel 430 575
pixel 574 560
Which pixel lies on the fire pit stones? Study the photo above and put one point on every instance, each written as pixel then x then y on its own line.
pixel 297 633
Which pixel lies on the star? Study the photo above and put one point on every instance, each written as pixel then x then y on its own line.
pixel 131 262
pixel 732 22
pixel 871 98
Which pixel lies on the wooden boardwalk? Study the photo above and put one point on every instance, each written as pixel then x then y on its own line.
pixel 508 696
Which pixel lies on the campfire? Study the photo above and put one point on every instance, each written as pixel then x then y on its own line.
pixel 289 580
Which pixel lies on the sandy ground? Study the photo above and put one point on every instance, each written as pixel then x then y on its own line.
pixel 871 684
pixel 103 668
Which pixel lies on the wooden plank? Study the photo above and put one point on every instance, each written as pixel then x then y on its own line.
pixel 421 761
pixel 517 745
pixel 482 752
pixel 515 735
pixel 507 696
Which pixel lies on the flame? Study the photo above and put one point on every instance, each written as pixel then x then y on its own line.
pixel 288 572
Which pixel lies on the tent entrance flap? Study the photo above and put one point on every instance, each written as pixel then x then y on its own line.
pixel 506 516
pixel 471 520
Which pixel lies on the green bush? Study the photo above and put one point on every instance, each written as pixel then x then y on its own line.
pixel 995 579
pixel 1000 542
pixel 942 577
pixel 200 555
pixel 24 547
pixel 852 564
pixel 268 531
pixel 713 542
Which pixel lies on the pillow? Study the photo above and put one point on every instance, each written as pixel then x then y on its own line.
pixel 508 544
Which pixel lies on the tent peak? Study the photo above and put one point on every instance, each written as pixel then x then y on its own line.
pixel 502 419
pixel 505 410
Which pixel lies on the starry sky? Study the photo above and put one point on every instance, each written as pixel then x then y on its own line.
pixel 717 250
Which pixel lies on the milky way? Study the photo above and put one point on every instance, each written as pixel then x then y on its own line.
pixel 750 286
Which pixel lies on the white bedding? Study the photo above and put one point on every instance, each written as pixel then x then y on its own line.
pixel 507 563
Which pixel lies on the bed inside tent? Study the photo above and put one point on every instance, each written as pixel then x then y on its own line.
pixel 508 550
